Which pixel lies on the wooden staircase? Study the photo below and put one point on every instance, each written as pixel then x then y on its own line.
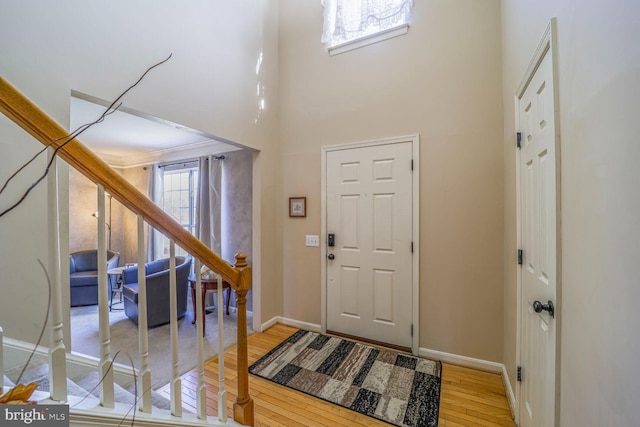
pixel 59 143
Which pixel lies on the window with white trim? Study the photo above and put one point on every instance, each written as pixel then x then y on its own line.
pixel 179 193
pixel 347 22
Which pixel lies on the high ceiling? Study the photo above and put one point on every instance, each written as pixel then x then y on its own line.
pixel 128 138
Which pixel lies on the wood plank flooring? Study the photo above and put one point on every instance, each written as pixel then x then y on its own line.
pixel 468 397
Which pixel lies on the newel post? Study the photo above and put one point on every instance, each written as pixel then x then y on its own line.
pixel 243 406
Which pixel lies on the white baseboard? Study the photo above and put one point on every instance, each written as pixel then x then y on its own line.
pixel 269 323
pixel 15 352
pixel 313 327
pixel 291 322
pixel 509 390
pixel 483 365
pixel 469 362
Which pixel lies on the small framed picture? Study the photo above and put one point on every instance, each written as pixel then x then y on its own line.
pixel 298 207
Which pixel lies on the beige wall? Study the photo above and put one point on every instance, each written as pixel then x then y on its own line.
pixel 599 71
pixel 267 222
pixel 139 177
pixel 82 204
pixel 21 276
pixel 443 81
pixel 83 225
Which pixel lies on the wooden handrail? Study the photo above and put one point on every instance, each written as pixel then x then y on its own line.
pixel 42 127
pixel 38 124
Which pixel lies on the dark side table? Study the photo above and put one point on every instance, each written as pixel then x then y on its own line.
pixel 207 285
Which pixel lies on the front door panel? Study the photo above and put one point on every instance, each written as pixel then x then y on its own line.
pixel 369 209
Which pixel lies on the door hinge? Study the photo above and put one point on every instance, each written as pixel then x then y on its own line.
pixel 412 329
pixel 519 374
pixel 519 256
pixel 519 139
pixel 411 164
pixel 411 247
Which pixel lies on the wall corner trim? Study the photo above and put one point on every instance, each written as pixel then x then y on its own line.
pixel 313 327
pixel 269 323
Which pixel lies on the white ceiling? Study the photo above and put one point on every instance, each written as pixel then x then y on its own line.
pixel 128 138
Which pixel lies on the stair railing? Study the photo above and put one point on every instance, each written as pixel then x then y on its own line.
pixel 34 121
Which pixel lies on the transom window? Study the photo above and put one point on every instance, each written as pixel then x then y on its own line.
pixel 349 21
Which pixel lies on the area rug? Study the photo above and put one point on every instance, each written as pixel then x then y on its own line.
pixel 393 387
pixel 85 339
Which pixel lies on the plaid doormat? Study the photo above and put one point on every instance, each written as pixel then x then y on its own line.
pixel 381 383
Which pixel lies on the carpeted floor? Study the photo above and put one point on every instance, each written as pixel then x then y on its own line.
pixel 124 336
pixel 381 383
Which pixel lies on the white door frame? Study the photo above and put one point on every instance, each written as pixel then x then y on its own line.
pixel 548 43
pixel 415 303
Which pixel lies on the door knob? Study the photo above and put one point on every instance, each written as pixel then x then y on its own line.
pixel 331 256
pixel 538 307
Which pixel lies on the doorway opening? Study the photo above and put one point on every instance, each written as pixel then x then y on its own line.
pixel 131 141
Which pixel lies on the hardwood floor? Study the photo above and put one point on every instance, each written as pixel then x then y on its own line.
pixel 468 397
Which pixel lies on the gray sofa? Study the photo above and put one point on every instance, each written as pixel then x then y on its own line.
pixel 158 298
pixel 83 275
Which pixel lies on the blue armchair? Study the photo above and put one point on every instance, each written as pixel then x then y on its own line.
pixel 83 275
pixel 158 297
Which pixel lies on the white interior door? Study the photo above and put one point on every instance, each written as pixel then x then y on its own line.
pixel 369 274
pixel 538 237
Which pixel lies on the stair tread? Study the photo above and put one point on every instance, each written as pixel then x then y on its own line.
pixel 121 394
pixel 39 373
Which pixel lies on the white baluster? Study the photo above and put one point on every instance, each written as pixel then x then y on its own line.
pixel 144 384
pixel 104 368
pixel 201 394
pixel 57 351
pixel 222 392
pixel 176 385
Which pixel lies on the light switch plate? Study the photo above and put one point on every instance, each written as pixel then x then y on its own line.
pixel 312 240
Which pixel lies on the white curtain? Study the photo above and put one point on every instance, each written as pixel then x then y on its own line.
pixel 208 205
pixel 155 191
pixel 346 20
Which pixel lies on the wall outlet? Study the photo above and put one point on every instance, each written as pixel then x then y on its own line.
pixel 312 240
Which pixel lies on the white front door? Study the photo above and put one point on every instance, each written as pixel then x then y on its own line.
pixel 539 238
pixel 369 208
